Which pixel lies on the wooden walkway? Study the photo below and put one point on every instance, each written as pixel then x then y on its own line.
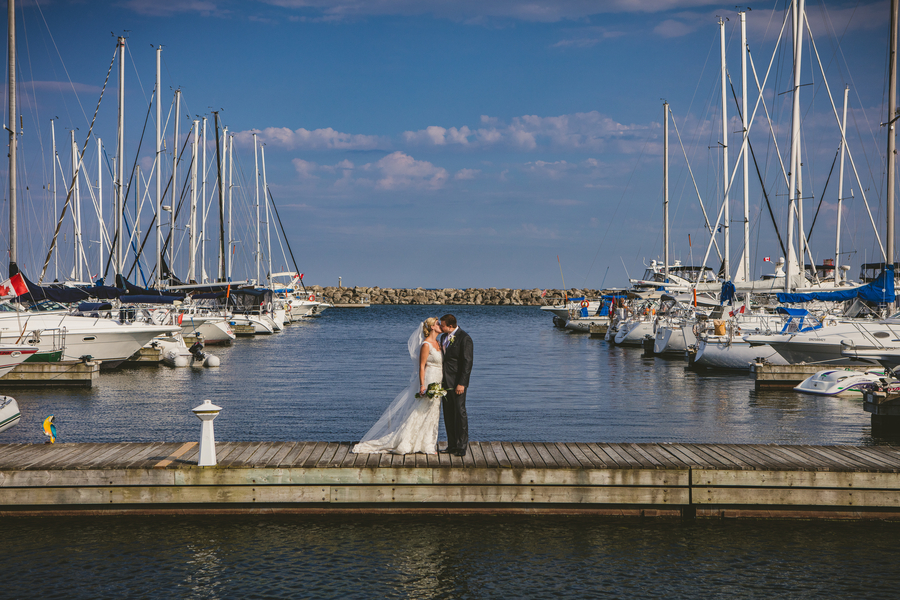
pixel 686 480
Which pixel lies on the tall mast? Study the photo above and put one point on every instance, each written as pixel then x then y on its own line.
pixel 192 237
pixel 174 181
pixel 221 267
pixel 665 189
pixel 258 243
pixel 120 163
pixel 726 265
pixel 262 152
pixel 229 146
pixel 892 132
pixel 745 106
pixel 798 8
pixel 11 38
pixel 76 209
pixel 203 202
pixel 99 203
pixel 158 170
pixel 53 168
pixel 837 240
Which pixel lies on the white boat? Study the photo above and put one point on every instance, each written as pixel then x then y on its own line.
pixel 840 382
pixel 12 355
pixel 104 339
pixel 825 342
pixel 583 324
pixel 261 323
pixel 725 352
pixel 9 412
pixel 674 338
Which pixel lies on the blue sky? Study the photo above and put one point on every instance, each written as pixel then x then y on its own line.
pixel 457 143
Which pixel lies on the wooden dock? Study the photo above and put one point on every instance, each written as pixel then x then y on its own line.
pixel 676 480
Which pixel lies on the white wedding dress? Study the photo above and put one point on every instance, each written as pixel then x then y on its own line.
pixel 409 424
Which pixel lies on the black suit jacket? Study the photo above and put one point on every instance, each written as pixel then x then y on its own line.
pixel 458 360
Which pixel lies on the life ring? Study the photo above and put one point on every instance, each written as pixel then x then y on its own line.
pixel 312 298
pixel 269 307
pixel 585 304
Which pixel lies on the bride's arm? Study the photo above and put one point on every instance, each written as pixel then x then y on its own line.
pixel 423 358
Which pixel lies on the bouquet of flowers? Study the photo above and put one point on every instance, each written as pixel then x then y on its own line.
pixel 434 391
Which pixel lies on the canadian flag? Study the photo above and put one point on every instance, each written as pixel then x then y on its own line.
pixel 14 286
pixel 767 259
pixel 737 312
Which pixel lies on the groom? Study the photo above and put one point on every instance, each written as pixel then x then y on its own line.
pixel 456 346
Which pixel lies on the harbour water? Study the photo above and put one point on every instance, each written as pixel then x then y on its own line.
pixel 329 378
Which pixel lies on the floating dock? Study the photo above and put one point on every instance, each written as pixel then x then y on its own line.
pixel 675 480
pixel 783 377
pixel 52 374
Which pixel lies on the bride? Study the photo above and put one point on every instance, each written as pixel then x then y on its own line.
pixel 410 424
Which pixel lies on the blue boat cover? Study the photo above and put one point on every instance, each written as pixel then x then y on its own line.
pixel 727 294
pixel 879 291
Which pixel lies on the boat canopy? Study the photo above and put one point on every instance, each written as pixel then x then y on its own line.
pixel 879 291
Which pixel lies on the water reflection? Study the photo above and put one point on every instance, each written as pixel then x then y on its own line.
pixel 453 557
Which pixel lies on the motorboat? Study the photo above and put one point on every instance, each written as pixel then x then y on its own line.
pixel 96 335
pixel 840 382
pixel 12 355
pixel 9 413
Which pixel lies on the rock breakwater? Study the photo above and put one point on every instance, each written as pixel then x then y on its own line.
pixel 449 296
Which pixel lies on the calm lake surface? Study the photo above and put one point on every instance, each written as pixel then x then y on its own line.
pixel 328 379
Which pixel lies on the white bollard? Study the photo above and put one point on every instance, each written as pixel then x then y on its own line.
pixel 206 412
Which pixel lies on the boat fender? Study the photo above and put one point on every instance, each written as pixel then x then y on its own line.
pixel 180 318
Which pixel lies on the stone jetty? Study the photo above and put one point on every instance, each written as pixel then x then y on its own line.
pixel 474 296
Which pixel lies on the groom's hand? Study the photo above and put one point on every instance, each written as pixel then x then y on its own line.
pixel 460 389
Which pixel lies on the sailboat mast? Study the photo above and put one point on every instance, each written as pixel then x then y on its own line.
pixel 53 168
pixel 837 240
pixel 892 132
pixel 798 7
pixel 192 237
pixel 99 203
pixel 221 268
pixel 229 145
pixel 76 209
pixel 745 106
pixel 258 243
pixel 262 152
pixel 11 37
pixel 666 189
pixel 174 182
pixel 158 170
pixel 203 201
pixel 726 220
pixel 120 163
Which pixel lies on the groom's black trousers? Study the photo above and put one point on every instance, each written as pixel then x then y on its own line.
pixel 456 421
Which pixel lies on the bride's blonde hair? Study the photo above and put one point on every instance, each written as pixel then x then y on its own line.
pixel 428 325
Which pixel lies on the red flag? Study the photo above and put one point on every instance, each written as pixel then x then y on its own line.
pixel 14 286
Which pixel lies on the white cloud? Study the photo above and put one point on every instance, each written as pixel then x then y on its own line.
pixel 305 168
pixel 579 131
pixel 401 171
pixel 317 139
pixel 467 173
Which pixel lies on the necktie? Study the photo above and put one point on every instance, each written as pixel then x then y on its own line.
pixel 446 341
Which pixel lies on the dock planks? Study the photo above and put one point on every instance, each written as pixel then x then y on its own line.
pixel 674 479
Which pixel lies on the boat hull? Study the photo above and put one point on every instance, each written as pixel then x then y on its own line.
pixel 716 352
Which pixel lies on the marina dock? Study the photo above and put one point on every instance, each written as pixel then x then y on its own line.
pixel 648 479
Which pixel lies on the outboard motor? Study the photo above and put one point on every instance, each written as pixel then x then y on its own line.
pixel 199 356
